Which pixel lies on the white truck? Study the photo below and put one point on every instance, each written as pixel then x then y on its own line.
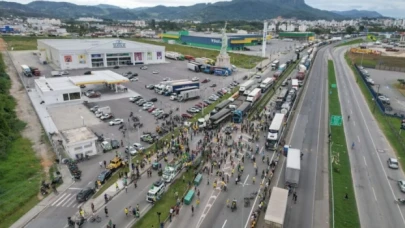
pixel 171 170
pixel 276 209
pixel 105 110
pixel 189 94
pixel 293 167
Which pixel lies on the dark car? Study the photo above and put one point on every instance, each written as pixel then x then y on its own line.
pixel 208 102
pixel 116 67
pixel 87 73
pixel 115 144
pixel 150 86
pixel 85 194
pixel 153 99
pixel 132 76
pixel 135 74
pixel 213 85
pixel 94 95
pixel 163 116
pixel 104 176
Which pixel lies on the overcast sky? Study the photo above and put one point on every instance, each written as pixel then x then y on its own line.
pixel 392 8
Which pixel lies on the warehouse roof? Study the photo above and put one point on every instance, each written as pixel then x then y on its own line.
pixel 54 84
pixel 90 44
pixel 76 135
pixel 99 77
pixel 219 35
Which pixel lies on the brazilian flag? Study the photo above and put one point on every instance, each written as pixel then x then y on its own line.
pixel 371 37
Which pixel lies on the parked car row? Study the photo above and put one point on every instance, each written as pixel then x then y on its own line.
pixel 149 106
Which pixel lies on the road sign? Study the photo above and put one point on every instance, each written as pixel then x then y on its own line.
pixel 333 85
pixel 336 121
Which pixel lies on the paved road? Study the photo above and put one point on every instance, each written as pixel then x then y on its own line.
pixel 374 183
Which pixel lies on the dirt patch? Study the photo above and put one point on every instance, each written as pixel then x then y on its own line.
pixel 3 45
pixel 400 88
pixel 26 113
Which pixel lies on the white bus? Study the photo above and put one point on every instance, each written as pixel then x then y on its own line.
pixel 275 131
pixel 266 84
pixel 26 70
pixel 156 191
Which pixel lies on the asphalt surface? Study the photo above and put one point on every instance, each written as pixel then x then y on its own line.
pixel 375 184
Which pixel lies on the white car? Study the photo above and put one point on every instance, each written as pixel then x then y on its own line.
pixel 401 185
pixel 134 79
pixel 94 108
pixel 138 146
pixel 258 76
pixel 155 72
pixel 158 113
pixel 144 67
pixel 173 98
pixel 393 163
pixel 147 105
pixel 195 79
pixel 98 114
pixel 133 98
pixel 116 122
pixel 106 116
pixel 157 110
pixel 132 151
pixel 167 79
pixel 384 99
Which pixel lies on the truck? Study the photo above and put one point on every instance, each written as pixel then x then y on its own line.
pixel 194 66
pixel 189 94
pixel 58 73
pixel 275 64
pixel 171 170
pixel 159 88
pixel 219 71
pixel 276 209
pixel 105 110
pixel 266 84
pixel 181 86
pixel 222 115
pixel 282 67
pixel 281 97
pixel 174 55
pixel 301 73
pixel 293 166
pixel 277 74
pixel 254 95
pixel 26 70
pixel 294 83
pixel 246 86
pixel 241 112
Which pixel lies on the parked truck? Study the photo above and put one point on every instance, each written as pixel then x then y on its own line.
pixel 276 209
pixel 293 166
pixel 171 170
pixel 174 55
pixel 58 73
pixel 181 86
pixel 222 71
pixel 189 94
pixel 194 66
pixel 241 112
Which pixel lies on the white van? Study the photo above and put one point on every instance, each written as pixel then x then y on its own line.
pixel 156 191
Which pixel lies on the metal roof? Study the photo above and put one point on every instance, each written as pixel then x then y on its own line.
pixel 76 135
pixel 99 77
pixel 55 84
pixel 90 44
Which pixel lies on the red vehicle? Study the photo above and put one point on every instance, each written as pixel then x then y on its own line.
pixel 198 105
pixel 205 80
pixel 186 115
pixel 151 109
pixel 94 95
pixel 189 57
pixel 203 104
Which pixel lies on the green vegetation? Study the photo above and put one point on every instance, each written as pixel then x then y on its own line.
pixel 239 60
pixel 371 61
pixel 20 170
pixel 389 125
pixel 168 200
pixel 21 43
pixel 356 41
pixel 345 210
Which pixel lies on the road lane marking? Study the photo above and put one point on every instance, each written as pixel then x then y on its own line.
pixel 60 200
pixel 244 183
pixel 224 224
pixel 70 204
pixel 67 200
pixel 358 138
pixel 375 196
pixel 56 201
pixel 365 160
pixel 75 188
pixel 78 206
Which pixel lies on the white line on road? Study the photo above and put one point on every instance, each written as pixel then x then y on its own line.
pixel 244 183
pixel 375 196
pixel 358 138
pixel 79 205
pixel 75 188
pixel 224 224
pixel 365 160
pixel 68 200
pixel 70 204
pixel 56 201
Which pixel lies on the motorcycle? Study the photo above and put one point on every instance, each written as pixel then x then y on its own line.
pixel 402 201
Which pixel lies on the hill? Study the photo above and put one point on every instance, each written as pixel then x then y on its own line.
pixel 358 13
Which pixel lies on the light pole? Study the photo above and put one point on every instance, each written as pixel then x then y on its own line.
pixel 158 214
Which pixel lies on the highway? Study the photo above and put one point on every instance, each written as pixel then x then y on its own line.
pixel 308 132
pixel 375 184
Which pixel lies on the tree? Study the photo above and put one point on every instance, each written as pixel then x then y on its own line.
pixel 361 28
pixel 350 30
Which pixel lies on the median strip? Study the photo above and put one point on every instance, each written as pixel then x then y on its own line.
pixel 343 206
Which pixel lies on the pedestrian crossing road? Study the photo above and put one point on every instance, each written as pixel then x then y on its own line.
pixel 66 200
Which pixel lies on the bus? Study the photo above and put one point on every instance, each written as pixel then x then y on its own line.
pixel 246 86
pixel 26 70
pixel 254 95
pixel 275 132
pixel 156 191
pixel 220 116
pixel 266 84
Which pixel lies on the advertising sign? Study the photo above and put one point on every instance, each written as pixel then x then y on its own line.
pixel 68 58
pixel 138 56
pixel 82 59
pixel 149 55
pixel 119 44
pixel 159 55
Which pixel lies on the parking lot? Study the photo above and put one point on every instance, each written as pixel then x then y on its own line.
pixel 274 48
pixel 386 81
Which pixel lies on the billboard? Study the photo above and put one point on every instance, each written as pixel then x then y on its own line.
pixel 138 56
pixel 68 58
pixel 82 59
pixel 149 55
pixel 159 55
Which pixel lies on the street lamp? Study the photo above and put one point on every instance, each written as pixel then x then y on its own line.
pixel 158 214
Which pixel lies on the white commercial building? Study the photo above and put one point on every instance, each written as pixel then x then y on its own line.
pixel 79 142
pixel 93 53
pixel 67 89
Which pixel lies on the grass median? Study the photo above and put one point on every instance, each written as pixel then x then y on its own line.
pixel 345 210
pixel 389 125
pixel 356 41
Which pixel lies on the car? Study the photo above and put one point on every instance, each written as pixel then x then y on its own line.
pixel 153 99
pixel 87 73
pixel 116 122
pixel 236 83
pixel 138 146
pixel 163 116
pixel 85 194
pixel 393 163
pixel 135 74
pixel 158 113
pixel 116 67
pixel 98 114
pixel 157 110
pixel 213 98
pixel 135 98
pixel 384 99
pixel 82 86
pixel 94 95
pixel 198 105
pixel 151 109
pixel 167 79
pixel 147 138
pixel 147 105
pixel 401 185
pixel 143 67
pixel 155 72
pixel 106 116
pixel 141 103
pixel 219 94
pixel 150 86
pixel 208 102
pixel 203 104
pixel 195 79
pixel 258 76
pixel 135 79
pixel 205 80
pixel 186 116
pixel 224 90
pixel 213 85
pixel 115 144
pixel 131 150
pixel 94 108
pixel 104 176
pixel 193 110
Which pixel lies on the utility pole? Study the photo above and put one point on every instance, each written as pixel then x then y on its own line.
pixel 375 99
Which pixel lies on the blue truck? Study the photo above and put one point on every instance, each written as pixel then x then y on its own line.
pixel 222 71
pixel 181 86
pixel 241 112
